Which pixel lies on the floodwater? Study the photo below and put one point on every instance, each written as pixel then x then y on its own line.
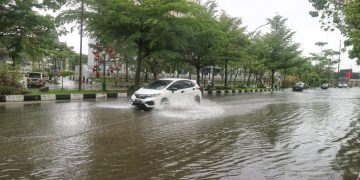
pixel 286 135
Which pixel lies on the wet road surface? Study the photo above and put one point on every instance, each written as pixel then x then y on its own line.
pixel 286 135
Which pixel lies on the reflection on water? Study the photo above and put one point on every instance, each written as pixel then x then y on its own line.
pixel 286 135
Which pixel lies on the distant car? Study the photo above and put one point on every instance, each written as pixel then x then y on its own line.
pixel 342 85
pixel 299 86
pixel 325 86
pixel 35 79
pixel 167 91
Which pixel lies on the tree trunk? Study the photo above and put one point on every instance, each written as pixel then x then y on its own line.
pixel 146 75
pixel 248 80
pixel 284 82
pixel 138 65
pixel 126 69
pixel 213 74
pixel 198 74
pixel 245 70
pixel 272 78
pixel 202 77
pixel 226 73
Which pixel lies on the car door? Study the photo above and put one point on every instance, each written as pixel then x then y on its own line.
pixel 190 89
pixel 179 90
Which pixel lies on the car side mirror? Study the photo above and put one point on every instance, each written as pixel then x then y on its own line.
pixel 173 89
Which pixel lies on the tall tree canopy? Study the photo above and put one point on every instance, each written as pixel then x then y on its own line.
pixel 283 51
pixel 199 37
pixel 144 23
pixel 343 15
pixel 234 40
pixel 23 29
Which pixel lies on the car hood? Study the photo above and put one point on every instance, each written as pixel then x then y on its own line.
pixel 148 91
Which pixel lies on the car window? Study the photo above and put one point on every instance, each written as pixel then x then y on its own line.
pixel 34 75
pixel 158 85
pixel 191 84
pixel 179 85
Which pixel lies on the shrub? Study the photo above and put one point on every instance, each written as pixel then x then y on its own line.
pixel 10 80
pixel 222 88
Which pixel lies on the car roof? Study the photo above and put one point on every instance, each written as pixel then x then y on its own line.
pixel 176 79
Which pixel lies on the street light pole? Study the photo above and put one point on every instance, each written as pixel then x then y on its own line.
pixel 254 31
pixel 338 74
pixel 81 35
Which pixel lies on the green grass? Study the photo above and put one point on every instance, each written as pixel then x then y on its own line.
pixel 60 92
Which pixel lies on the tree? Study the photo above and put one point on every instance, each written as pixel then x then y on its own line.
pixel 254 61
pixel 283 50
pixel 199 37
pixel 145 23
pixel 234 41
pixel 25 31
pixel 344 16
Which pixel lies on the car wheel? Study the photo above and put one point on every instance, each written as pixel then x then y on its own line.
pixel 197 99
pixel 164 101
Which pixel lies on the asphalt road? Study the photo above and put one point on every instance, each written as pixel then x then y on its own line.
pixel 285 135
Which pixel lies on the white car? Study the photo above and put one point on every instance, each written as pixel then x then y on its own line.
pixel 167 91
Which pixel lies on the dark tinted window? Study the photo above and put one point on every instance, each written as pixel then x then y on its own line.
pixel 159 84
pixel 34 75
pixel 181 85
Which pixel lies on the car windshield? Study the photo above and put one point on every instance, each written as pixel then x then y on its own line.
pixel 34 75
pixel 159 84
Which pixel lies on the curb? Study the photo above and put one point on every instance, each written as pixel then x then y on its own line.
pixel 228 92
pixel 79 97
pixel 53 97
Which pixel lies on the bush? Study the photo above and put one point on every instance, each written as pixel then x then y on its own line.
pixel 10 80
pixel 222 88
pixel 7 90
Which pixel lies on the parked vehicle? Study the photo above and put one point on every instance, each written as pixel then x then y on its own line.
pixel 167 91
pixel 325 86
pixel 342 85
pixel 299 87
pixel 35 79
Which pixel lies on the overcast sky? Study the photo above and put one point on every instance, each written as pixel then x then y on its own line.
pixel 254 14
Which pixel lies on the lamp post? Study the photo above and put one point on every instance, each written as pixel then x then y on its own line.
pixel 104 74
pixel 338 74
pixel 254 31
pixel 81 35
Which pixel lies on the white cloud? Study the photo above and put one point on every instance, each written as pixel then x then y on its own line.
pixel 255 12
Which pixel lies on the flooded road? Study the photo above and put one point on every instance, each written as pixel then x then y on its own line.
pixel 286 135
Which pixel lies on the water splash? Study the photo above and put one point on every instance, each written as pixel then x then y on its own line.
pixel 191 110
pixel 115 105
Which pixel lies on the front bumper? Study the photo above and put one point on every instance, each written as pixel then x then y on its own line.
pixel 143 103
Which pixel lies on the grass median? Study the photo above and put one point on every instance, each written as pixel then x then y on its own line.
pixel 64 92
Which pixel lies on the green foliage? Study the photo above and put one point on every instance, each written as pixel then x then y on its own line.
pixel 25 31
pixel 283 51
pixel 67 73
pixel 10 80
pixel 343 15
pixel 199 37
pixel 146 24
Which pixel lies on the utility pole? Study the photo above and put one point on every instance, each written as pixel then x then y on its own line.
pixel 338 74
pixel 81 36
